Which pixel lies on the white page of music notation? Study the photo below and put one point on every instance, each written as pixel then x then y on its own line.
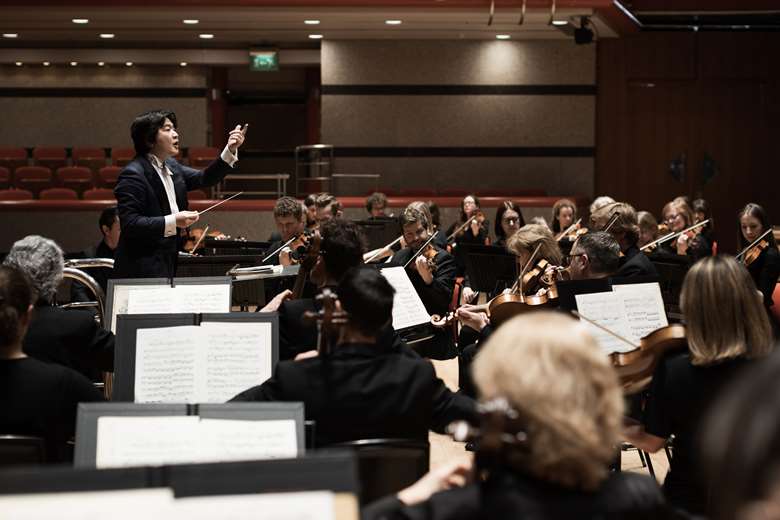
pixel 644 307
pixel 304 505
pixel 408 308
pixel 122 299
pixel 127 504
pixel 206 364
pixel 180 299
pixel 156 441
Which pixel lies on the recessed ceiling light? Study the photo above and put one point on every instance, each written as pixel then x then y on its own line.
pixel 502 36
pixel 183 64
pixel 10 35
pixel 19 63
pixel 190 21
pixel 106 36
pixel 393 22
pixel 73 63
pixel 80 20
pixel 560 22
pixel 46 63
pixel 129 63
pixel 311 22
pixel 101 63
pixel 205 36
pixel 315 36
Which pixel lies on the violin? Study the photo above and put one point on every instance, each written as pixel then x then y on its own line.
pixel 478 217
pixel 429 252
pixel 751 253
pixel 297 245
pixel 329 319
pixel 655 243
pixel 572 232
pixel 196 237
pixel 307 261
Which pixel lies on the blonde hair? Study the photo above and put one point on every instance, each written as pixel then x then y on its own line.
pixel 682 207
pixel 553 372
pixel 529 236
pixel 724 314
pixel 556 211
pixel 625 223
pixel 647 221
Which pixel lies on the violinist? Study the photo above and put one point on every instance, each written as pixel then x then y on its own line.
pixel 701 212
pixel 509 218
pixel 648 228
pixel 596 255
pixel 376 206
pixel 725 329
pixel 364 388
pixel 763 262
pixel 564 213
pixel 289 220
pixel 677 216
pixel 600 202
pixel 310 211
pixel 551 416
pixel 327 207
pixel 471 228
pixel 625 229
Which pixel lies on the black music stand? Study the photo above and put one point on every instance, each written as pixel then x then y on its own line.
pixel 489 269
pixel 379 232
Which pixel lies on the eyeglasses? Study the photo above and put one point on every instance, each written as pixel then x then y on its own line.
pixel 574 255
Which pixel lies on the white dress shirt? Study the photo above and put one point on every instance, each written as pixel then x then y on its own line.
pixel 166 176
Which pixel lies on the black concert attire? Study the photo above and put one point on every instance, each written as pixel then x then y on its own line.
pixel 513 494
pixel 635 264
pixel 78 291
pixel 765 271
pixel 40 399
pixel 679 395
pixel 149 243
pixel 69 337
pixel 466 237
pixel 363 391
pixel 698 247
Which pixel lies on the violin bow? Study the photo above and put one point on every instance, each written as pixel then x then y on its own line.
pixel 379 251
pixel 673 235
pixel 605 329
pixel 279 248
pixel 422 248
pixel 614 218
pixel 756 241
pixel 567 230
pixel 519 282
pixel 200 239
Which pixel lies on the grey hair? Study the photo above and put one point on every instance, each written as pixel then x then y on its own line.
pixel 42 260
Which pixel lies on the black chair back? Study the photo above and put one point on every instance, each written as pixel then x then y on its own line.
pixel 18 450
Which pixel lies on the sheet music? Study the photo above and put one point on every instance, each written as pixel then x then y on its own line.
pixel 146 441
pixel 122 298
pixel 238 356
pixel 644 308
pixel 124 504
pixel 408 308
pixel 229 440
pixel 309 505
pixel 165 364
pixel 180 299
pixel 606 309
pixel 155 441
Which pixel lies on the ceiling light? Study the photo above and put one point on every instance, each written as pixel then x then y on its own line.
pixel 502 36
pixel 101 63
pixel 129 63
pixel 46 63
pixel 311 22
pixel 106 36
pixel 73 63
pixel 80 20
pixel 183 64
pixel 190 21
pixel 10 35
pixel 206 36
pixel 19 63
pixel 393 22
pixel 560 22
pixel 315 36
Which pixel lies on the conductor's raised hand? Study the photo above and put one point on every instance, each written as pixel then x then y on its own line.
pixel 186 218
pixel 236 138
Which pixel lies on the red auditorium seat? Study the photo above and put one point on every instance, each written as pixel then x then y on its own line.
pixel 201 156
pixel 16 195
pixel 197 195
pixel 50 157
pixel 33 178
pixel 78 178
pixel 13 158
pixel 108 175
pixel 5 178
pixel 121 156
pixel 92 158
pixel 58 194
pixel 99 194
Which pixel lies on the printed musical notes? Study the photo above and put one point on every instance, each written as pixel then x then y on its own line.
pixel 408 308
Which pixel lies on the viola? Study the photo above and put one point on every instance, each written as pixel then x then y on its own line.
pixel 751 253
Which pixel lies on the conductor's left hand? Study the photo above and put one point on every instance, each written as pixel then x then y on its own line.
pixel 235 139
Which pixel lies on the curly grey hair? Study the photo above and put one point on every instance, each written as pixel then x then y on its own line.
pixel 41 259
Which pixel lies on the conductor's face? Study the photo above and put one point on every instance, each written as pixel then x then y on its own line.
pixel 166 143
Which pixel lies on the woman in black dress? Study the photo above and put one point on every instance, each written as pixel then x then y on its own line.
pixel 765 268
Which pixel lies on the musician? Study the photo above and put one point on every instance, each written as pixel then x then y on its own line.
pixel 327 207
pixel 476 232
pixel 560 470
pixel 701 212
pixel 595 255
pixel 677 216
pixel 725 329
pixel 110 229
pixel 68 337
pixel 648 228
pixel 376 203
pixel 600 202
pixel 37 398
pixel 152 195
pixel 311 211
pixel 626 231
pixel 564 214
pixel 289 220
pixel 509 218
pixel 365 388
pixel 765 270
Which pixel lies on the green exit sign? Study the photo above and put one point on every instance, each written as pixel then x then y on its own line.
pixel 263 61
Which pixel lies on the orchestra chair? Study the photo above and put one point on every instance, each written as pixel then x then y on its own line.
pixel 58 194
pixel 13 158
pixel 78 178
pixel 201 156
pixel 92 158
pixel 5 178
pixel 21 450
pixel 99 194
pixel 386 466
pixel 108 175
pixel 33 178
pixel 50 157
pixel 16 195
pixel 197 195
pixel 121 156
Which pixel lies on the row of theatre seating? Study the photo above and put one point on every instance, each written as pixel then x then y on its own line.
pixel 71 194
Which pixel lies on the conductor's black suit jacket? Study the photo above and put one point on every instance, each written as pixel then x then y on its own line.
pixel 143 251
pixel 366 391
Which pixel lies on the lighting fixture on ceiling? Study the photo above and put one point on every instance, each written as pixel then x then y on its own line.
pixel 10 35
pixel 502 37
pixel 311 22
pixel 393 22
pixel 315 36
pixel 190 21
pixel 106 36
pixel 73 63
pixel 101 63
pixel 206 36
pixel 129 63
pixel 46 63
pixel 80 21
pixel 183 64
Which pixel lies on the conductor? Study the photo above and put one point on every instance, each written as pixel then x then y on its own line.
pixel 152 195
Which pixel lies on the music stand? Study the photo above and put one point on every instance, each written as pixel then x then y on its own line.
pixel 379 232
pixel 489 268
